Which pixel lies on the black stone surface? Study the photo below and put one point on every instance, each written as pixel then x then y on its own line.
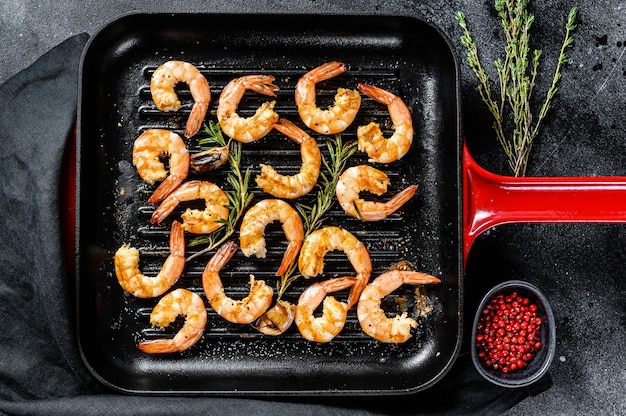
pixel 580 267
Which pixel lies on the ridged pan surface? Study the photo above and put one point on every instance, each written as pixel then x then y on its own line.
pixel 401 54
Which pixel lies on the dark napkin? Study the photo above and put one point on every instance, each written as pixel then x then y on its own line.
pixel 41 371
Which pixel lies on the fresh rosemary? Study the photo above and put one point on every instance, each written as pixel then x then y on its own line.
pixel 314 216
pixel 516 79
pixel 239 197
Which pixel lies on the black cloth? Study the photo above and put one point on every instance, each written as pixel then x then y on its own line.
pixel 41 371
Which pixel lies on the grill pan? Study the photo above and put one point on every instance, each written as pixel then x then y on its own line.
pixel 402 54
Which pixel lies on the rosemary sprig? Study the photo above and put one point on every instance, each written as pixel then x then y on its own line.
pixel 516 79
pixel 314 216
pixel 338 153
pixel 238 197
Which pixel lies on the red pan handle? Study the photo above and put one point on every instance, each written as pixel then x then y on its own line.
pixel 490 199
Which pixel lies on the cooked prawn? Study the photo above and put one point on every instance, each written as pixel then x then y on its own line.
pixel 195 220
pixel 264 212
pixel 294 186
pixel 137 284
pixel 277 319
pixel 372 317
pixel 323 240
pixel 253 128
pixel 242 311
pixel 335 119
pixel 174 304
pixel 366 178
pixel 147 151
pixel 333 319
pixel 162 85
pixel 370 137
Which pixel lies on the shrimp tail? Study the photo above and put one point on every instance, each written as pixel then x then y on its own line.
pixel 304 93
pixel 376 93
pixel 163 211
pixel 174 265
pixel 289 129
pixel 158 346
pixel 419 278
pixel 196 118
pixel 165 188
pixel 380 212
pixel 177 240
pixel 357 289
pixel 339 283
pixel 399 199
pixel 262 84
pixel 327 70
pixel 289 257
pixel 222 256
pixel 165 346
pixel 315 294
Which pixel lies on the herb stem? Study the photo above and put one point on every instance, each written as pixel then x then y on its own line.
pixel 314 216
pixel 517 76
pixel 239 196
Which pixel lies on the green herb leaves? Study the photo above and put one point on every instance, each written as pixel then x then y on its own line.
pixel 313 216
pixel 239 197
pixel 517 76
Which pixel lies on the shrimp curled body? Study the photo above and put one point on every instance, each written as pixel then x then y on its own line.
pixel 334 119
pixel 264 212
pixel 131 279
pixel 176 303
pixel 294 186
pixel 195 220
pixel 333 319
pixel 246 130
pixel 366 178
pixel 370 137
pixel 242 311
pixel 162 85
pixel 323 240
pixel 147 151
pixel 373 318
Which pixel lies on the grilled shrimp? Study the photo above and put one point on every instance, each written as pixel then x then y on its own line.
pixel 195 220
pixel 264 212
pixel 327 326
pixel 320 242
pixel 372 317
pixel 242 311
pixel 335 119
pixel 366 178
pixel 147 150
pixel 176 303
pixel 301 183
pixel 137 284
pixel 162 86
pixel 253 128
pixel 371 139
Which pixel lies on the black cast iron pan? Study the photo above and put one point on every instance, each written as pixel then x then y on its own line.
pixel 402 54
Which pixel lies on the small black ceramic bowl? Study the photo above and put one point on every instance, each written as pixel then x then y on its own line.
pixel 540 363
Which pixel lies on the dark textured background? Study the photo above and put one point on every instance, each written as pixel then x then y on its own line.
pixel 580 267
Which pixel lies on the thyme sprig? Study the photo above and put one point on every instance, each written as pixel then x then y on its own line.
pixel 313 216
pixel 338 153
pixel 516 79
pixel 239 196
